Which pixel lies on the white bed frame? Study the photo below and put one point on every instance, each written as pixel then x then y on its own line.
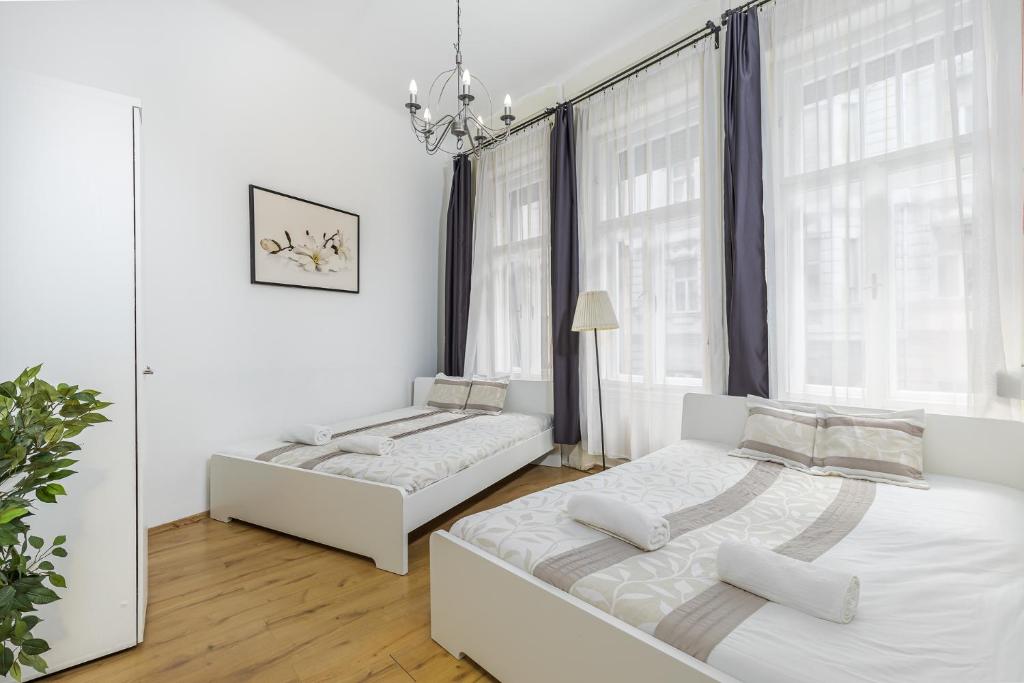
pixel 365 517
pixel 522 629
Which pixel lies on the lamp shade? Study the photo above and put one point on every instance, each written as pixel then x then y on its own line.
pixel 1010 383
pixel 594 312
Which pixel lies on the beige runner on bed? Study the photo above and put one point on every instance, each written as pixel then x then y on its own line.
pixel 711 609
pixel 308 457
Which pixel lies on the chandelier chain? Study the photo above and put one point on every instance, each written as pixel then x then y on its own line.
pixel 458 31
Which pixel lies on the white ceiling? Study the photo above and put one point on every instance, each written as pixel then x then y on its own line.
pixel 516 46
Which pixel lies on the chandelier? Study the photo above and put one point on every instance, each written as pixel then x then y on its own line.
pixel 464 130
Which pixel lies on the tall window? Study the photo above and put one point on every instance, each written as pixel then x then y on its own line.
pixel 877 265
pixel 649 207
pixel 510 299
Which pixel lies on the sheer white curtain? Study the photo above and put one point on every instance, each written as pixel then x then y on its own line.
pixel 651 234
pixel 892 211
pixel 510 300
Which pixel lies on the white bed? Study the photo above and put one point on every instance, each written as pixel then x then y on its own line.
pixel 942 571
pixel 368 504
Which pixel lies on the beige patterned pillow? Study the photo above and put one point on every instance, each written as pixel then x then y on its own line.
pixel 487 395
pixel 884 447
pixel 779 432
pixel 449 393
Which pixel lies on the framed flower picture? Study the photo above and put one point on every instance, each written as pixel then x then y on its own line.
pixel 298 243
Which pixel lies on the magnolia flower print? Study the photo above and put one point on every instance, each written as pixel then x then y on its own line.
pixel 328 254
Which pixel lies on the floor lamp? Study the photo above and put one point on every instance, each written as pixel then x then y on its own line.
pixel 594 312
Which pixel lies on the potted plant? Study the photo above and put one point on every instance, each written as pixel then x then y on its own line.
pixel 37 424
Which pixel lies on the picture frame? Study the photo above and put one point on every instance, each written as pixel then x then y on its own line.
pixel 295 242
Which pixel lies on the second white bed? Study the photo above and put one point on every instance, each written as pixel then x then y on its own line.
pixel 431 445
pixel 942 570
pixel 367 504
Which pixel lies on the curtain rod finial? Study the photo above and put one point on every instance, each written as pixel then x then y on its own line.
pixel 715 29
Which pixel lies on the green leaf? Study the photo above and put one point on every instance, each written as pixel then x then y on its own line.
pixel 7 595
pixel 57 580
pixel 21 629
pixel 60 552
pixel 31 620
pixel 56 489
pixel 16 671
pixel 28 374
pixel 45 496
pixel 12 514
pixel 35 542
pixel 46 565
pixel 35 661
pixel 60 540
pixel 35 646
pixel 7 537
pixel 40 595
pixel 6 660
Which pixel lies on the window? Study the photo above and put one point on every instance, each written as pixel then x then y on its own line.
pixel 655 224
pixel 874 215
pixel 522 334
pixel 648 151
pixel 510 300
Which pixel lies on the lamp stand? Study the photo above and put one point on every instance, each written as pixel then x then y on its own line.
pixel 600 406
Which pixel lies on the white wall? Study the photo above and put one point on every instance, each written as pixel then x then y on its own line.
pixel 226 104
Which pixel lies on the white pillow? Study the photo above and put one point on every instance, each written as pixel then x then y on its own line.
pixel 779 432
pixel 884 447
pixel 487 395
pixel 449 393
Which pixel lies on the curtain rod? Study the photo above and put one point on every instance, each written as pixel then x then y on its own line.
pixel 709 29
pixel 749 5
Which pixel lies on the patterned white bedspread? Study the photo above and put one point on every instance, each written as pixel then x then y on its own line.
pixel 430 445
pixel 942 570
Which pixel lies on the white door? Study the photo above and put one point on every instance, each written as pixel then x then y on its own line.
pixel 67 300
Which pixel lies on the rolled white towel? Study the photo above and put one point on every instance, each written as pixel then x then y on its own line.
pixel 819 591
pixel 631 523
pixel 367 444
pixel 311 435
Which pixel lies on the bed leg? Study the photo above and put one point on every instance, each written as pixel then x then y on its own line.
pixel 454 652
pixel 219 516
pixel 394 559
pixel 446 620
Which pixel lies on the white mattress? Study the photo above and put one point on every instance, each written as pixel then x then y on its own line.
pixel 419 459
pixel 941 570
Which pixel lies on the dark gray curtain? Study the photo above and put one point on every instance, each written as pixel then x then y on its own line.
pixel 458 266
pixel 746 294
pixel 565 360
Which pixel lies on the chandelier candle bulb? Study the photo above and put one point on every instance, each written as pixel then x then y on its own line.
pixel 507 117
pixel 426 114
pixel 412 105
pixel 480 138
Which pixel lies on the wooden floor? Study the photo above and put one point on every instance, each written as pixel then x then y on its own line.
pixel 233 602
